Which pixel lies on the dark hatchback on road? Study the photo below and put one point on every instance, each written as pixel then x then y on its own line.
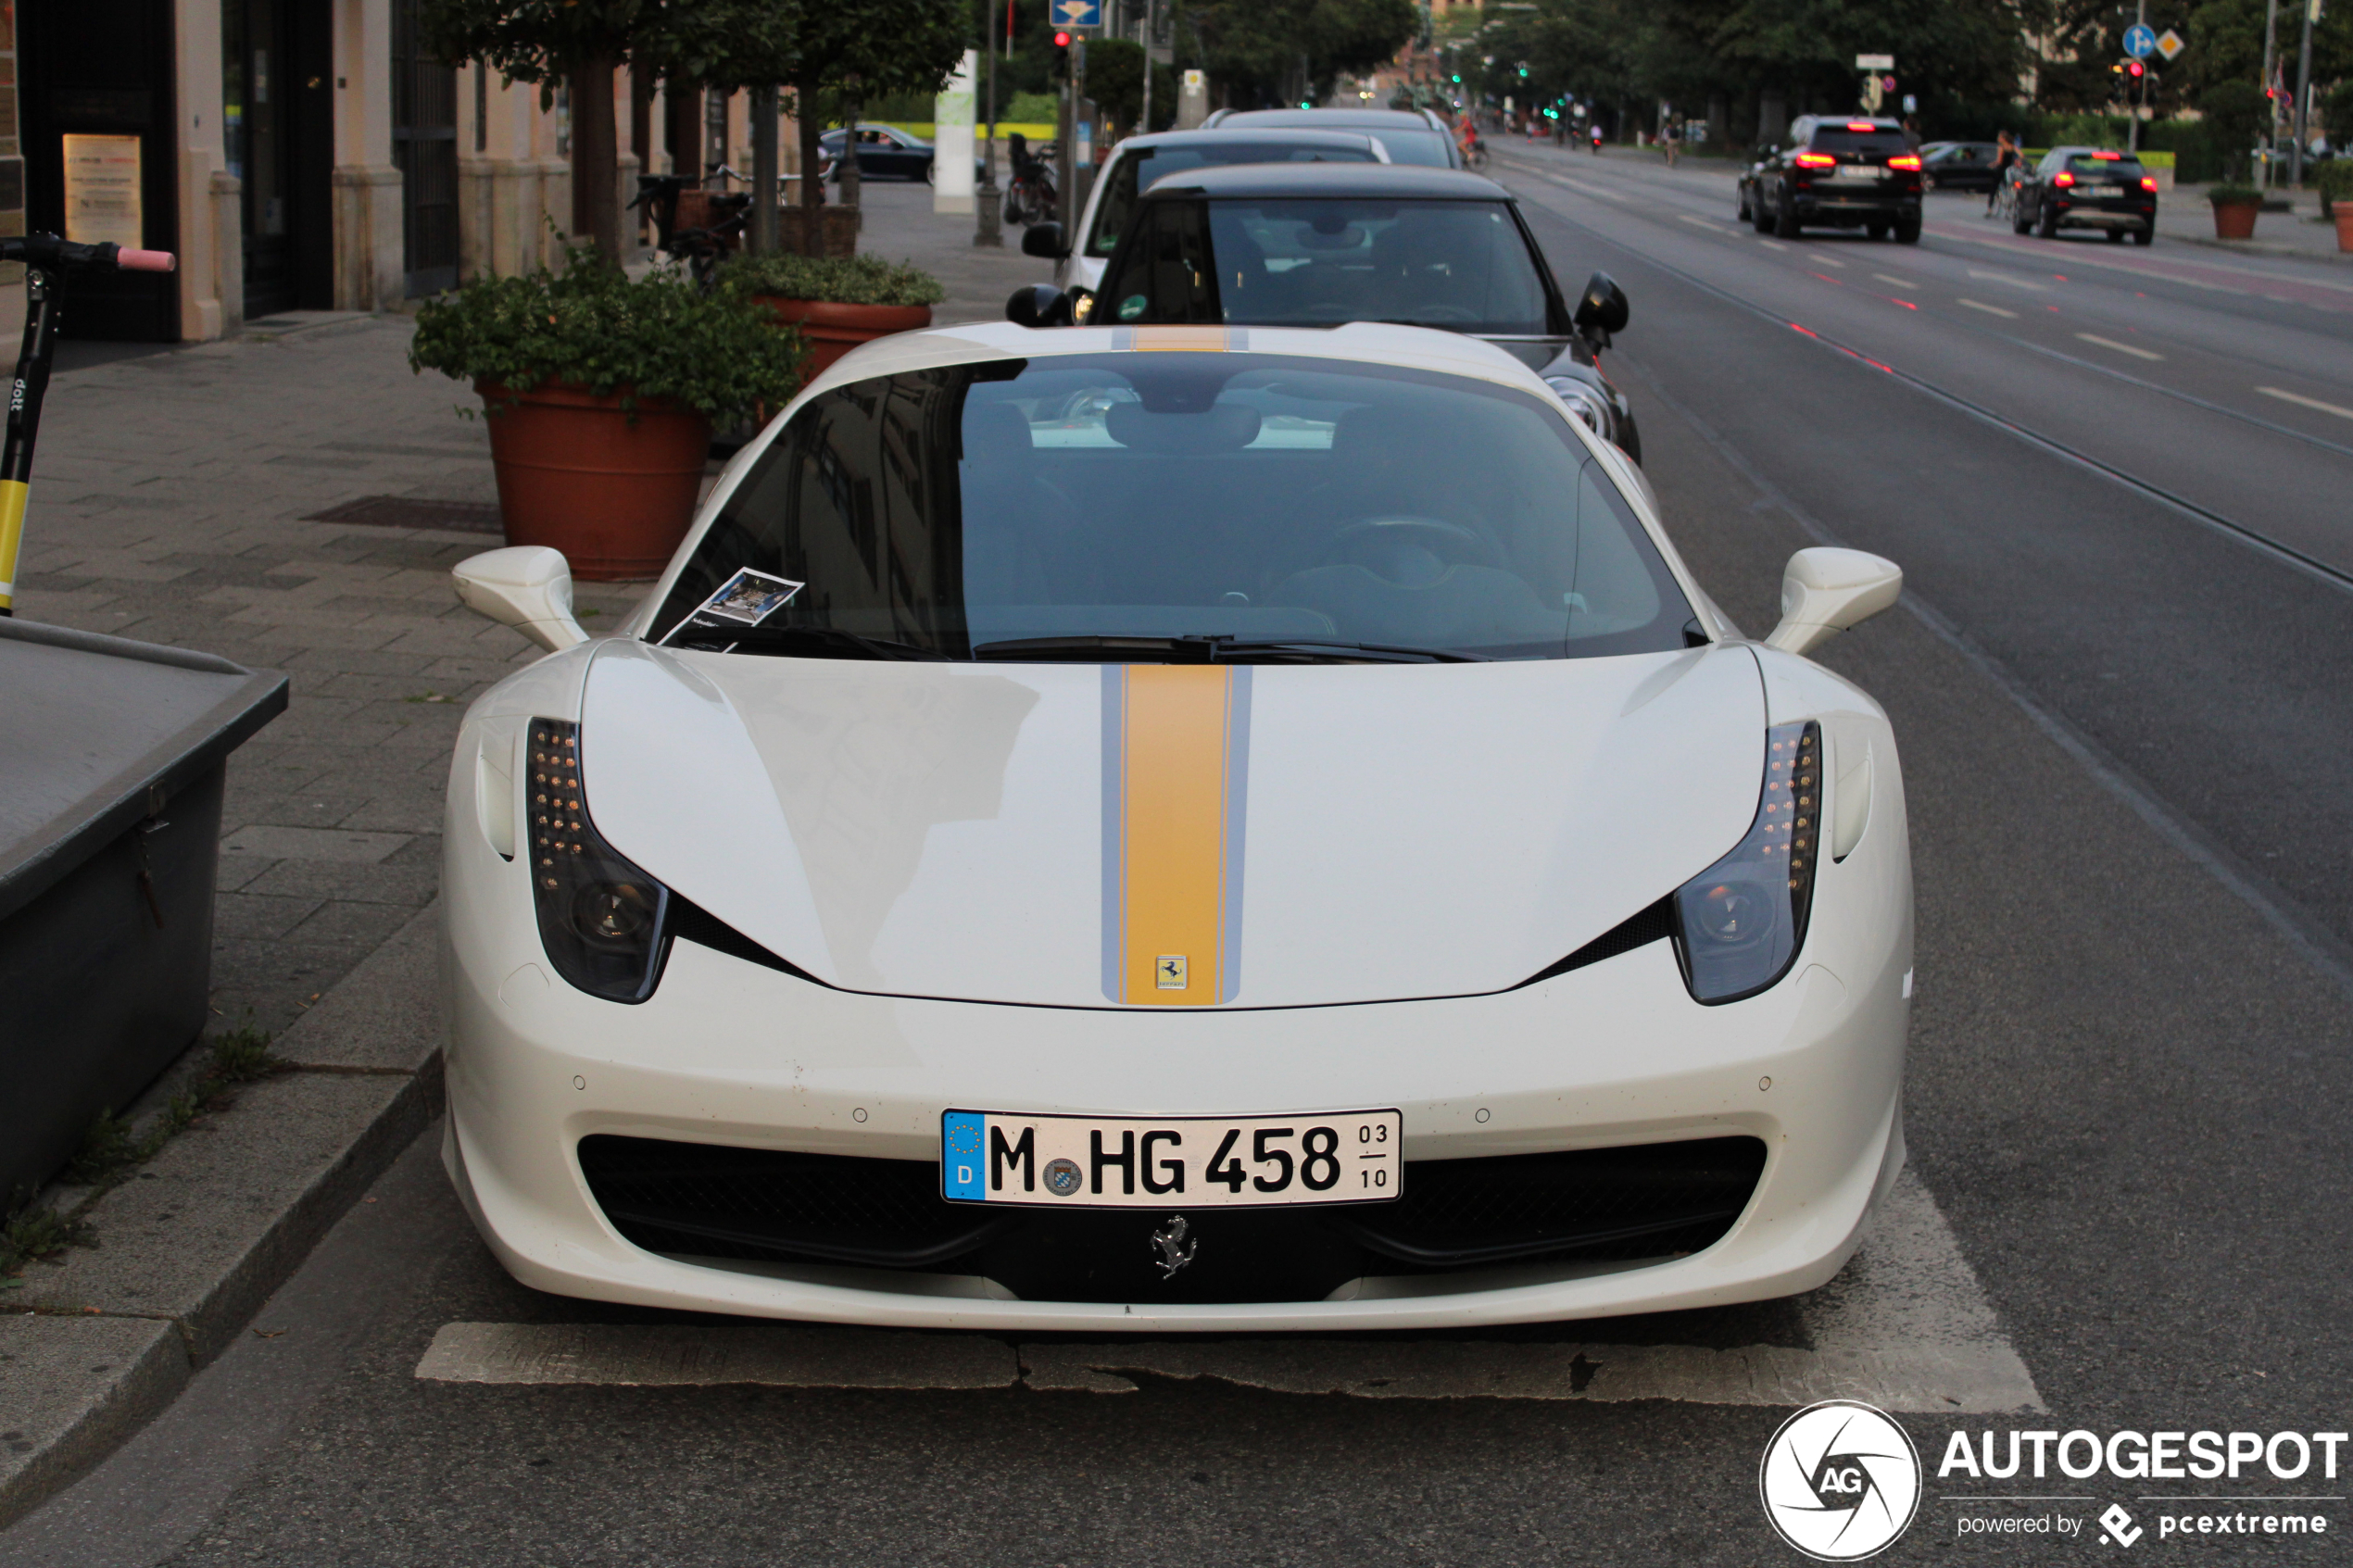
pixel 1959 166
pixel 2088 188
pixel 1837 173
pixel 1325 244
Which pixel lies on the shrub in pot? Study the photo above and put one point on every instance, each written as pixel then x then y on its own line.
pixel 601 391
pixel 837 303
pixel 2235 210
pixel 2336 180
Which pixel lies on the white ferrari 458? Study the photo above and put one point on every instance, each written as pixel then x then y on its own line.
pixel 1176 828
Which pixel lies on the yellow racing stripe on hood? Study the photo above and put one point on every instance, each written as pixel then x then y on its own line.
pixel 1175 761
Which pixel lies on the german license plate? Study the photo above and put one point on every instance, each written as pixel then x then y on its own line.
pixel 1858 172
pixel 1170 1162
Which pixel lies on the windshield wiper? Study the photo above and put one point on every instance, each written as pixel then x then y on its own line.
pixel 1217 648
pixel 798 642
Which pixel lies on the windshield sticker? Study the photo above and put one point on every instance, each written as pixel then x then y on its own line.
pixel 749 597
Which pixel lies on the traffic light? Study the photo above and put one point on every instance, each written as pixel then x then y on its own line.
pixel 1061 56
pixel 2134 71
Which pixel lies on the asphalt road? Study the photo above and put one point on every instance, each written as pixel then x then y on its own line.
pixel 2121 687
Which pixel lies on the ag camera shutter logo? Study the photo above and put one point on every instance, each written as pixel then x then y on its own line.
pixel 1840 1481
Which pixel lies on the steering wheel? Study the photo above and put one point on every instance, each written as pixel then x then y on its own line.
pixel 1450 542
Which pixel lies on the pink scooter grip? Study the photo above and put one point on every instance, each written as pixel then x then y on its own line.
pixel 145 261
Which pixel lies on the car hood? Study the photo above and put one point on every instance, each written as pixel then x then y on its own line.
pixel 1053 834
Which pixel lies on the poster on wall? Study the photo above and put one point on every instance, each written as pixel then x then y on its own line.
pixel 102 191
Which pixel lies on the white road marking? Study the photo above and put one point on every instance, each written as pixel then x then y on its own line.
pixel 2341 412
pixel 2011 277
pixel 1700 222
pixel 1905 1326
pixel 2120 347
pixel 1991 309
pixel 1825 260
pixel 1899 283
pixel 1772 244
pixel 1584 190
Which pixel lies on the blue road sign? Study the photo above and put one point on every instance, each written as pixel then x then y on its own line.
pixel 1089 13
pixel 2140 41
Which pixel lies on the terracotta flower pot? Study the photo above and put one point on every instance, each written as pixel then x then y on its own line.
pixel 574 473
pixel 2236 220
pixel 2344 216
pixel 832 331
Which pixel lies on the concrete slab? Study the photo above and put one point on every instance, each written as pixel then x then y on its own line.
pixel 386 1015
pixel 71 1389
pixel 214 1222
pixel 312 844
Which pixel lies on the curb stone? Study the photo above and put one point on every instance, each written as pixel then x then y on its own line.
pixel 190 1248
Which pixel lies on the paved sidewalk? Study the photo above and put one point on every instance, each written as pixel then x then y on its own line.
pixel 901 226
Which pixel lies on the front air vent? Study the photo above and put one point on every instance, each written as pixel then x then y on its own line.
pixel 1653 924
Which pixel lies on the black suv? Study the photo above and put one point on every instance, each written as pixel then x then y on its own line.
pixel 1322 245
pixel 2088 188
pixel 1837 173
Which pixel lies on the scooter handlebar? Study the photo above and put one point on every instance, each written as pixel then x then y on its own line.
pixel 147 260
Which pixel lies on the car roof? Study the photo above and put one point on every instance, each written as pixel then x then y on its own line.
pixel 1289 136
pixel 1395 181
pixel 1393 119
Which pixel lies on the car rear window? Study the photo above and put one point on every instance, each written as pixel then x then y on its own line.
pixel 1141 169
pixel 1429 148
pixel 1839 140
pixel 2096 168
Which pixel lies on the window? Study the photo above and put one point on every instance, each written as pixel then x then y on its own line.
pixel 1137 171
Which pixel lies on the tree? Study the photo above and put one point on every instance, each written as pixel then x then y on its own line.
pixel 862 50
pixel 1265 50
pixel 1115 81
pixel 2239 115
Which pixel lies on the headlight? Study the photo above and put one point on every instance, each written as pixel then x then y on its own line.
pixel 1741 921
pixel 1582 401
pixel 600 917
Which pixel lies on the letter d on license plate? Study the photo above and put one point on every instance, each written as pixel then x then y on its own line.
pixel 1170 1162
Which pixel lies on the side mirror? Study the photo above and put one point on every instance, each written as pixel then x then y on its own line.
pixel 525 586
pixel 1040 305
pixel 1043 239
pixel 1825 591
pixel 1604 308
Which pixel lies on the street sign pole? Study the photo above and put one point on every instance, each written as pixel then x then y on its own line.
pixel 2303 93
pixel 2271 105
pixel 2141 30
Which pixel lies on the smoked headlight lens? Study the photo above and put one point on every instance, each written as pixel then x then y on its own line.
pixel 600 917
pixel 1582 401
pixel 1743 919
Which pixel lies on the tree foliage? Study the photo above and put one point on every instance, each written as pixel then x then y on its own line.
pixel 1262 52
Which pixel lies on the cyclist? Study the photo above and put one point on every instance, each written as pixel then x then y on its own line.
pixel 2005 160
pixel 1466 139
pixel 1596 129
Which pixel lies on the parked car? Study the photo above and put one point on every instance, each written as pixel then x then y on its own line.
pixel 1837 173
pixel 1411 135
pixel 1958 166
pixel 1141 162
pixel 1323 244
pixel 1132 832
pixel 2088 188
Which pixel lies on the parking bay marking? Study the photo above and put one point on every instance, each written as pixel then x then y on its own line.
pixel 2120 347
pixel 1905 1326
pixel 1991 309
pixel 2298 398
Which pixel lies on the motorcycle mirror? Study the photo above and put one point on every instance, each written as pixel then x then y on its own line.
pixel 1603 307
pixel 1043 239
pixel 1040 305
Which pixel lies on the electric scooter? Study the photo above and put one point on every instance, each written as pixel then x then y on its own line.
pixel 47 260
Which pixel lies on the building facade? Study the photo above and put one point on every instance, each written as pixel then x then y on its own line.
pixel 297 155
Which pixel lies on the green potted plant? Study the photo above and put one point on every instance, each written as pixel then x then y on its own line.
pixel 2235 210
pixel 835 302
pixel 601 391
pixel 2336 180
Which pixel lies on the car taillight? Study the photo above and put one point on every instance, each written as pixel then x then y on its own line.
pixel 1741 922
pixel 1860 125
pixel 2063 180
pixel 600 917
pixel 2109 158
pixel 1816 161
pixel 1904 160
pixel 2148 182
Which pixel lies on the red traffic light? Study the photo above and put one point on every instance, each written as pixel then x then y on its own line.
pixel 1062 41
pixel 2136 71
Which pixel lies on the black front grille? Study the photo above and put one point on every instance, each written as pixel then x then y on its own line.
pixel 1609 1205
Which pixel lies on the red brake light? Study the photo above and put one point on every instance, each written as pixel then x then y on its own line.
pixel 2148 182
pixel 2063 180
pixel 1904 160
pixel 1816 161
pixel 1860 125
pixel 2110 156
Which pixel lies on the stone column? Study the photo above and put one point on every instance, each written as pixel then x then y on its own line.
pixel 370 266
pixel 211 276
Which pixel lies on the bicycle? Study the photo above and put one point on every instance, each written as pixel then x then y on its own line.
pixel 2005 203
pixel 1031 196
pixel 47 260
pixel 1477 156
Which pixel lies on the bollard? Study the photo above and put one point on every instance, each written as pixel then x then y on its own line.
pixel 989 202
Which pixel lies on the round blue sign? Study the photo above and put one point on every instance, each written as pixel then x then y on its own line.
pixel 2139 41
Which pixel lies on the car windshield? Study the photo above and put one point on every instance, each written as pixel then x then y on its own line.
pixel 1139 170
pixel 1839 140
pixel 2094 166
pixel 1177 494
pixel 1462 266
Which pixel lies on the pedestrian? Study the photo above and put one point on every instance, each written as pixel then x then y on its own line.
pixel 2005 160
pixel 1911 133
pixel 1670 140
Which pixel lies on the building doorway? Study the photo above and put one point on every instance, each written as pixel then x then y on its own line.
pixel 277 128
pixel 424 144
